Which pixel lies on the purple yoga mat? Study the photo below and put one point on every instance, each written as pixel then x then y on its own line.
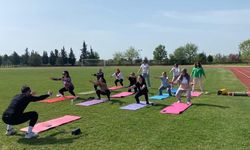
pixel 175 108
pixel 122 94
pixel 135 106
pixel 92 102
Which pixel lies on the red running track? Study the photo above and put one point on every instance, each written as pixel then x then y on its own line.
pixel 243 74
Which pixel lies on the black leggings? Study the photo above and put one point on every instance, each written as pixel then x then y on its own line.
pixel 18 119
pixel 119 80
pixel 140 93
pixel 71 91
pixel 99 93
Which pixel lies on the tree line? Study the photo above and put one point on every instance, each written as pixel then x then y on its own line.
pixel 54 58
pixel 187 54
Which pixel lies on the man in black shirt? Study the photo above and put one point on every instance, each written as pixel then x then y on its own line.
pixel 15 114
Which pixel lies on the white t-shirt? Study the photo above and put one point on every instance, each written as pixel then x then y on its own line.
pixel 145 68
pixel 176 71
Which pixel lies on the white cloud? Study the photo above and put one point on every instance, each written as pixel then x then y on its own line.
pixel 226 17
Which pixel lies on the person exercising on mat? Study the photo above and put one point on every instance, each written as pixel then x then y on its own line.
pixel 15 114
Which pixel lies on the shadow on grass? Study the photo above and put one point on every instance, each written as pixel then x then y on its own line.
pixel 115 101
pixel 51 139
pixel 159 105
pixel 209 105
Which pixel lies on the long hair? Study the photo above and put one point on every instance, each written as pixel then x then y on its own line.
pixel 143 80
pixel 186 75
pixel 199 65
pixel 66 73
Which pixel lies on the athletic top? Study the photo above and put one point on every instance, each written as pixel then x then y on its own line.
pixel 197 72
pixel 139 87
pixel 164 81
pixel 99 75
pixel 67 82
pixel 20 102
pixel 145 68
pixel 176 71
pixel 184 83
pixel 132 80
pixel 118 75
pixel 102 85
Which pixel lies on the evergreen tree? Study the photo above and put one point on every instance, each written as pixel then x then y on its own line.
pixel 45 58
pixel 6 60
pixel 64 56
pixel 1 60
pixel 93 54
pixel 52 58
pixel 15 59
pixel 35 59
pixel 25 57
pixel 72 59
pixel 84 53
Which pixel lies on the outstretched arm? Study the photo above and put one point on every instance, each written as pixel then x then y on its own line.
pixel 55 79
pixel 42 97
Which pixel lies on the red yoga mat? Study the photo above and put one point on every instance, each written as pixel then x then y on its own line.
pixel 122 94
pixel 175 108
pixel 43 126
pixel 57 99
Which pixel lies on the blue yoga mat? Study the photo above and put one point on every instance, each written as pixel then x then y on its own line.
pixel 174 90
pixel 159 97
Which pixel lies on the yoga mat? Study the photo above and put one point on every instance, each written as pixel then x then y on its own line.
pixel 43 126
pixel 115 87
pixel 135 106
pixel 175 108
pixel 173 90
pixel 159 97
pixel 122 94
pixel 92 102
pixel 86 93
pixel 57 99
pixel 195 94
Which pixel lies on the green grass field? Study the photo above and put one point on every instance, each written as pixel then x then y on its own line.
pixel 213 122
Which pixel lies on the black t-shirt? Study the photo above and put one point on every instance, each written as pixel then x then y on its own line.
pixel 139 87
pixel 20 102
pixel 132 80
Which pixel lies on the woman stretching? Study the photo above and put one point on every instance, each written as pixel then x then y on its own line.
pixel 68 86
pixel 102 88
pixel 142 89
pixel 118 77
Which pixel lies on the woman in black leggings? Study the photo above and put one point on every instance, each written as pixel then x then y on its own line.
pixel 15 114
pixel 142 89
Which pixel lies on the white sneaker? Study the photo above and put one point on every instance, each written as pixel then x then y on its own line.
pixel 59 95
pixel 188 103
pixel 10 132
pixel 30 135
pixel 178 101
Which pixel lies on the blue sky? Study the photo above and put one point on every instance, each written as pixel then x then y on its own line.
pixel 109 26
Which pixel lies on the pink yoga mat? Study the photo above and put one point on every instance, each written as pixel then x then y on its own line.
pixel 195 94
pixel 43 126
pixel 122 94
pixel 92 102
pixel 175 108
pixel 115 87
pixel 57 99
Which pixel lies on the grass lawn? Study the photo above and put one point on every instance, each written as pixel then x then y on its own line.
pixel 213 122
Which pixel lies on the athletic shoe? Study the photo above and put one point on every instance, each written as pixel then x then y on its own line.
pixel 30 135
pixel 59 95
pixel 10 132
pixel 178 101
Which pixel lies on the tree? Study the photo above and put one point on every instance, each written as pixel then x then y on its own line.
pixel 118 57
pixel 93 54
pixel 45 58
pixel 25 57
pixel 84 52
pixel 1 60
pixel 245 49
pixel 59 61
pixel 191 52
pixel 6 60
pixel 210 59
pixel 35 59
pixel 233 57
pixel 202 58
pixel 64 56
pixel 131 54
pixel 72 59
pixel 15 58
pixel 52 58
pixel 180 55
pixel 160 54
